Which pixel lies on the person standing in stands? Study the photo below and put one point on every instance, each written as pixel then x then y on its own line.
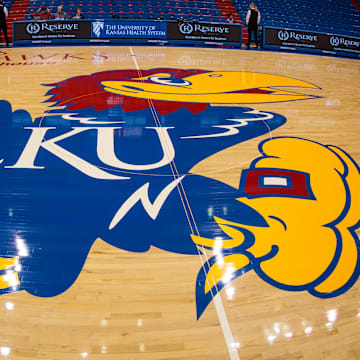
pixel 3 15
pixel 43 13
pixel 60 14
pixel 252 21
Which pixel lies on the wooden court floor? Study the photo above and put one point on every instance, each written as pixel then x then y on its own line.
pixel 170 274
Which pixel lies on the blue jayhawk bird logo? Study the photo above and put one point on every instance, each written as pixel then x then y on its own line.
pixel 112 160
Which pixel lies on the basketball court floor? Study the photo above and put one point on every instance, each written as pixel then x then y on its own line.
pixel 178 203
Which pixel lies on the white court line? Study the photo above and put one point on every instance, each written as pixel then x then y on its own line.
pixel 225 326
pixel 224 322
pixel 134 58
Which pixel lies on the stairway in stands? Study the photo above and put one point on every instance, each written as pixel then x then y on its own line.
pixel 228 7
pixel 16 13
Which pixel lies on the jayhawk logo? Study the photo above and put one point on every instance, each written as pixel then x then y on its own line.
pixel 112 159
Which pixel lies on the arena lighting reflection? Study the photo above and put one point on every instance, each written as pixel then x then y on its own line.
pixel 271 338
pixel 332 315
pixel 230 292
pixel 21 246
pixel 218 246
pixel 217 251
pixel 11 278
pixel 230 269
pixel 9 305
pixel 332 102
pixel 278 329
pixel 5 351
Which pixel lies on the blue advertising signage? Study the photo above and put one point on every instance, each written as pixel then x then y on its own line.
pixel 128 30
pixel 310 41
pixel 120 31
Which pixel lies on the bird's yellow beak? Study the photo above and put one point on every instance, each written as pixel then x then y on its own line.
pixel 227 87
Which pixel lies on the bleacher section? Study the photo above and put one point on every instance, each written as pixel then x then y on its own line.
pixel 135 9
pixel 329 16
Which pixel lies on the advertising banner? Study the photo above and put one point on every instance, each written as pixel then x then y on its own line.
pixel 204 32
pixel 118 29
pixel 310 41
pixel 51 30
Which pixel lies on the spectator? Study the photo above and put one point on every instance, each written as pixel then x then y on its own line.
pixel 78 14
pixel 43 13
pixel 60 14
pixel 230 19
pixel 252 21
pixel 3 15
pixel 115 16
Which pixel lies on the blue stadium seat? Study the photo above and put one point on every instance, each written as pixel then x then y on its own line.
pixel 335 16
pixel 206 18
